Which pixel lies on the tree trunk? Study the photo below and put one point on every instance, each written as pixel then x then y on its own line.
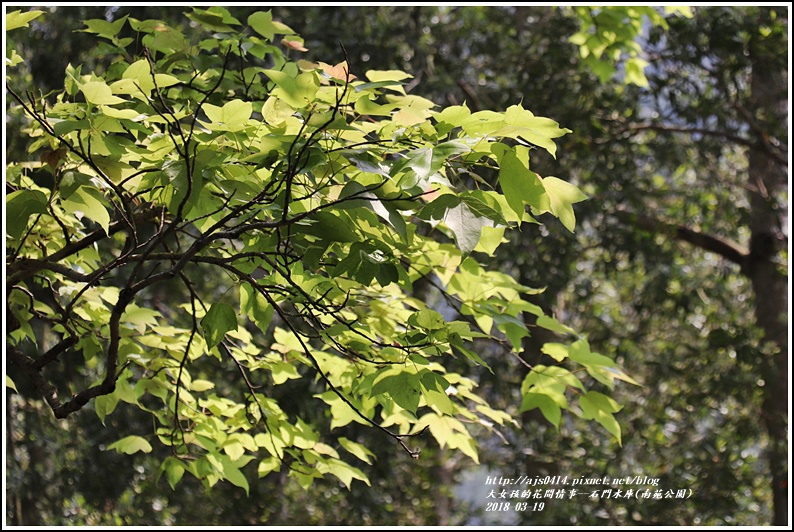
pixel 768 185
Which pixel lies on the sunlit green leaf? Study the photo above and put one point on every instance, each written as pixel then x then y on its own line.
pixel 262 22
pixel 232 473
pixel 105 28
pixel 520 185
pixel 357 450
pixel 88 202
pixel 403 387
pixel 99 93
pixel 233 116
pixel 17 19
pixel 562 195
pixel 130 445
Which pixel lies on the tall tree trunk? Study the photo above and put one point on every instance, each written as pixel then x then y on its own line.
pixel 768 184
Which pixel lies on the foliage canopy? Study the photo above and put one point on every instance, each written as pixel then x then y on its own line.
pixel 211 204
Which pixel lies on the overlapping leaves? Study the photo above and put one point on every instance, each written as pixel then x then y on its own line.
pixel 290 211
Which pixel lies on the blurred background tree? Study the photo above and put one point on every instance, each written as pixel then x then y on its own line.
pixel 678 270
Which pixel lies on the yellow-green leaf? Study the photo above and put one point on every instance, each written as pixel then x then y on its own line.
pixel 233 116
pixel 231 473
pixel 17 19
pixel 200 385
pixel 131 445
pixel 562 196
pixel 556 351
pixel 263 23
pixel 99 93
pixel 85 200
pixel 343 471
pixel 357 450
pixel 520 185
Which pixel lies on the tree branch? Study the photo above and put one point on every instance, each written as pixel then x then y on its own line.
pixel 738 139
pixel 763 139
pixel 725 248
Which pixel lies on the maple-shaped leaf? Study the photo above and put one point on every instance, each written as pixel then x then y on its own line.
pixel 340 71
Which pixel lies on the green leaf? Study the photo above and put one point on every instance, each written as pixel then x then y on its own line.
pixel 174 468
pixel 87 200
pixel 562 195
pixel 357 450
pixel 598 366
pixel 551 324
pixel 449 432
pixel 421 162
pixel 601 408
pixel 104 28
pixel 105 405
pixel 234 449
pixel 10 384
pixel 268 465
pixel 402 386
pixel 343 471
pixel 14 60
pixel 520 185
pixel 125 114
pixel 233 116
pixel 514 328
pixel 263 23
pixel 20 206
pixel 341 413
pixel 72 80
pixel 435 394
pixel 137 80
pixel 140 317
pixel 537 130
pixel 551 379
pixel 466 226
pixel 332 227
pixel 200 385
pixel 231 472
pixel 214 21
pixel 451 117
pixel 283 371
pixel 635 71
pixel 427 319
pixel 485 206
pixel 387 75
pixel 556 351
pixel 167 40
pixel 220 319
pixel 17 19
pixel 443 428
pixel 256 307
pixel 99 93
pixel 490 239
pixel 131 445
pixel 550 409
pixel 296 91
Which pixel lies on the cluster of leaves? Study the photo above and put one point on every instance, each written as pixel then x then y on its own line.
pixel 608 34
pixel 207 203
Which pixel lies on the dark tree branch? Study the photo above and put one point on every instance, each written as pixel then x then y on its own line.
pixel 723 247
pixel 763 138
